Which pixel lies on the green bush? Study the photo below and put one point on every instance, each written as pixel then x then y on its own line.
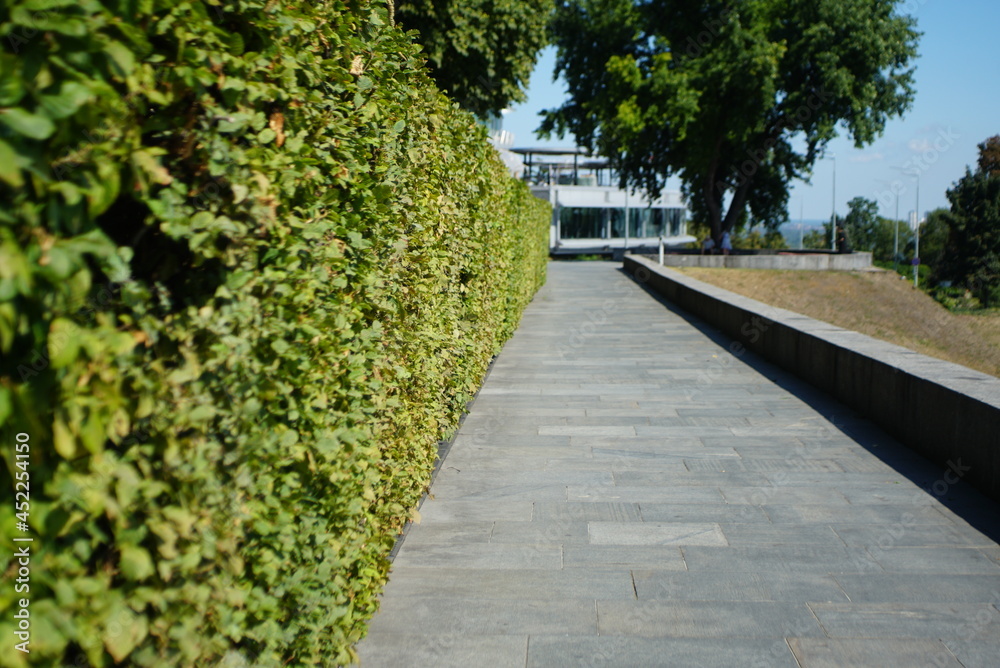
pixel 252 267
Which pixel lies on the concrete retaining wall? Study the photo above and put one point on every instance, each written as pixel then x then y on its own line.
pixel 946 412
pixel 803 261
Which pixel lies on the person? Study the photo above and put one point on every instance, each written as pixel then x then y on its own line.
pixel 708 245
pixel 727 244
pixel 842 246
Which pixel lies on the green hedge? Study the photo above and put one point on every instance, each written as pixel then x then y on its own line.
pixel 252 267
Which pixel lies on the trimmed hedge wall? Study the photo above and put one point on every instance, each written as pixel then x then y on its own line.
pixel 253 265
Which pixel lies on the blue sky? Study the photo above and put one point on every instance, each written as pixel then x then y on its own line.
pixel 957 106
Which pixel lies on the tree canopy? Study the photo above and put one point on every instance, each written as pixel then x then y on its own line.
pixel 735 97
pixel 973 251
pixel 480 52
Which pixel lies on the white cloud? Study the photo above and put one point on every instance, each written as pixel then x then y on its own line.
pixel 868 157
pixel 920 145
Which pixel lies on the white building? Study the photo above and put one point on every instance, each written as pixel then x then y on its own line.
pixel 590 210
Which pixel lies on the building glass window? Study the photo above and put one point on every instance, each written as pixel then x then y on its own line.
pixel 581 223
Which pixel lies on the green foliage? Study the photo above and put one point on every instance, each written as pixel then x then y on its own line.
pixel 972 259
pixel 723 94
pixel 252 267
pixel 480 52
pixel 817 239
pixel 753 239
pixel 934 234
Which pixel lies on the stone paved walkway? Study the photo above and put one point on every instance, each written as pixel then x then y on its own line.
pixel 627 493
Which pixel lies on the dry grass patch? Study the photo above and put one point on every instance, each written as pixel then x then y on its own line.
pixel 874 303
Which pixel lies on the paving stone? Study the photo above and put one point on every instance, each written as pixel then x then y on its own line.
pixel 514 584
pixel 483 616
pixel 888 515
pixel 933 560
pixel 391 650
pixel 648 494
pixel 909 535
pixel 908 620
pixel 974 653
pixel 541 532
pixel 617 651
pixel 449 532
pixel 705 619
pixel 689 479
pixel 558 430
pixel 822 559
pixel 701 512
pixel 477 511
pixel 486 555
pixel 780 534
pixel 667 558
pixel 674 458
pixel 884 652
pixel 655 533
pixel 581 511
pixel 918 588
pixel 758 496
pixel 737 586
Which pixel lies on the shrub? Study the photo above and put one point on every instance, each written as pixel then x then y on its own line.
pixel 252 267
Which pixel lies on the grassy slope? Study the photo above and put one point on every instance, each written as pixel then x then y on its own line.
pixel 876 304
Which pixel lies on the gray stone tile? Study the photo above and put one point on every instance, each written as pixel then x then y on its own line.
pixel 762 465
pixel 648 494
pixel 542 532
pixel 703 512
pixel 850 514
pixel 942 620
pixel 955 560
pixel 608 651
pixel 475 555
pixel 883 652
pixel 710 479
pixel 821 559
pixel 486 492
pixel 918 588
pixel 434 510
pixel 672 456
pixel 772 495
pixel 664 558
pixel 781 534
pixel 579 511
pixel 977 652
pixel 655 533
pixel 466 478
pixel 737 586
pixel 616 432
pixel 909 535
pixel 484 617
pixel 705 619
pixel 515 584
pixel 391 650
pixel 449 532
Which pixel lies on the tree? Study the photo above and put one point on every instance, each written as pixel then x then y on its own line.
pixel 736 98
pixel 861 224
pixel 989 156
pixel 480 52
pixel 934 235
pixel 973 252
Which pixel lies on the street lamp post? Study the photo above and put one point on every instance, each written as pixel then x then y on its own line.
pixel 833 215
pixel 895 244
